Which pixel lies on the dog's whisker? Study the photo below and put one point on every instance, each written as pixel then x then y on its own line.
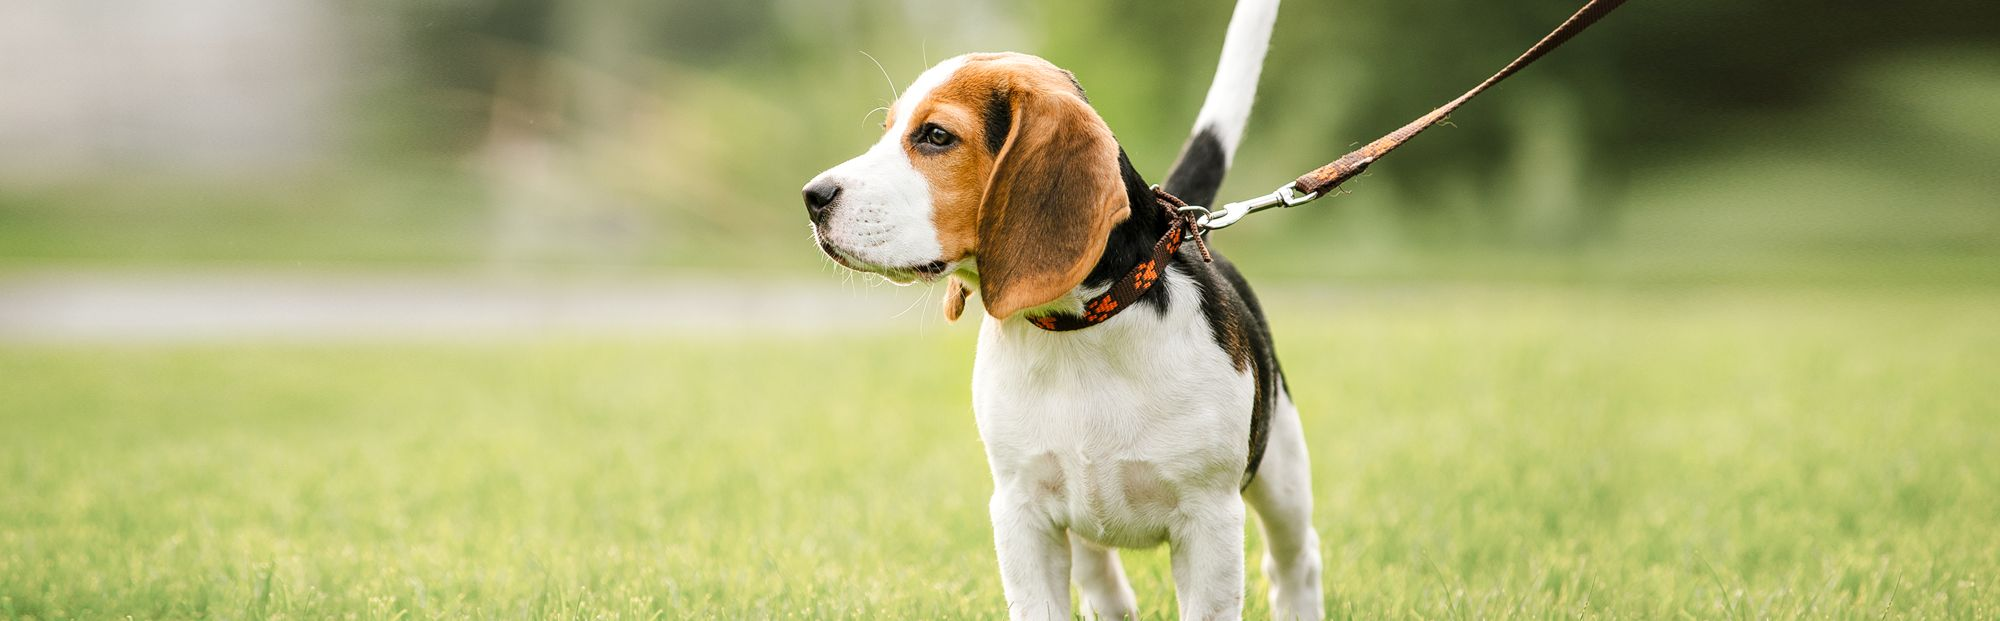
pixel 913 303
pixel 894 95
pixel 881 109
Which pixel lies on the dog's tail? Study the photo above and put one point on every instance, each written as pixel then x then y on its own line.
pixel 1197 174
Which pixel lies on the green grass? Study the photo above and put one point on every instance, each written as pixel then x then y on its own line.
pixel 1710 453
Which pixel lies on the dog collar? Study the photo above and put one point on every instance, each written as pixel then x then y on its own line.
pixel 1127 290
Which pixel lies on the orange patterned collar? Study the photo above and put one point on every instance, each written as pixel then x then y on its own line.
pixel 1127 290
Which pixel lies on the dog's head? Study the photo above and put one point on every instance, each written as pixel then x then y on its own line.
pixel 994 168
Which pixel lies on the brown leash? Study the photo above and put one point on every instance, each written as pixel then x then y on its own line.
pixel 1191 222
pixel 1330 176
pixel 1322 181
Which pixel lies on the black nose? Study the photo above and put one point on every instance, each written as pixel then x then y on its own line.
pixel 819 196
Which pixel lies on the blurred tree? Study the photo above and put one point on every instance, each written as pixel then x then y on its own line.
pixel 709 102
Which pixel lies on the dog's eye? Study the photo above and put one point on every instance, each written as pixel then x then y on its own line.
pixel 936 136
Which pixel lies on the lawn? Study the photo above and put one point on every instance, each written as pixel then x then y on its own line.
pixel 1537 451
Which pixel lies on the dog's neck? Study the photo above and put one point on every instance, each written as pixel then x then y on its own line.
pixel 1131 241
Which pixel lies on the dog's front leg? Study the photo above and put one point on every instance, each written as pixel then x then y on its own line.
pixel 1208 558
pixel 1034 560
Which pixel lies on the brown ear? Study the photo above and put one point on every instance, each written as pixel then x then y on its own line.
pixel 1054 195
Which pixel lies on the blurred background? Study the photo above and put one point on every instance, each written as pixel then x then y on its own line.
pixel 1685 141
pixel 507 308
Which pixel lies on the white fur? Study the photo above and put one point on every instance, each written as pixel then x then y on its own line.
pixel 1282 495
pixel 882 220
pixel 1227 109
pixel 1132 433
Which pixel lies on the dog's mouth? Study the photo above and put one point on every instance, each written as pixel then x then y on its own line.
pixel 928 272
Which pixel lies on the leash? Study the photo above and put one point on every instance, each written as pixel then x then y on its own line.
pixel 1192 222
pixel 1318 183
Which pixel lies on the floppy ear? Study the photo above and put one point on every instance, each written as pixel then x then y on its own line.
pixel 1054 195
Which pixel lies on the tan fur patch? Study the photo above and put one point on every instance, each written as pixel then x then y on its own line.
pixel 1145 488
pixel 958 176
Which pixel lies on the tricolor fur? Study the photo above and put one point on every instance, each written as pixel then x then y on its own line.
pixel 1153 427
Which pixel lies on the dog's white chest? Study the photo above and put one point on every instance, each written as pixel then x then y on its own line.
pixel 1112 431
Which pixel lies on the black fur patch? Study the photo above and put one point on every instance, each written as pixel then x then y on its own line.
pixel 1131 242
pixel 1197 174
pixel 999 121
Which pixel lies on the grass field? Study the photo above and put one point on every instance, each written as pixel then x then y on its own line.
pixel 1710 453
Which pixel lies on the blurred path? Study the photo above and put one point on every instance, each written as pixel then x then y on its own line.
pixel 114 307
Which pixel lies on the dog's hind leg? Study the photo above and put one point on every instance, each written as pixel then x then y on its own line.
pixel 1101 580
pixel 1282 494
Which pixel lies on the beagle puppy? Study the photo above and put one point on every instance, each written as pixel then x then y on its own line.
pixel 1153 422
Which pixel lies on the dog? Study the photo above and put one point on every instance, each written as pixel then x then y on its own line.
pixel 1151 420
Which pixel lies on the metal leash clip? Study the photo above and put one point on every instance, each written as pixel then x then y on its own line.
pixel 1287 196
